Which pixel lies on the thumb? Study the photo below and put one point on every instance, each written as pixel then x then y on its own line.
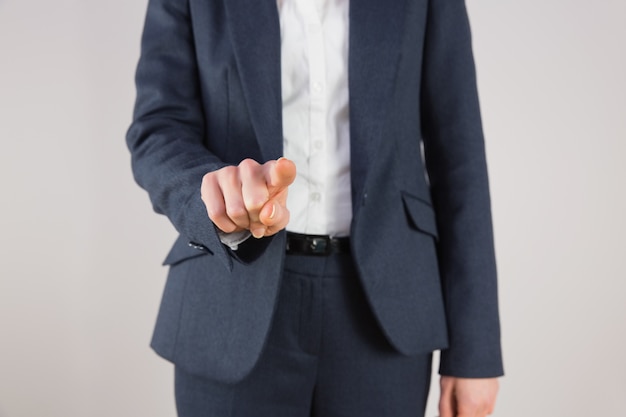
pixel 279 175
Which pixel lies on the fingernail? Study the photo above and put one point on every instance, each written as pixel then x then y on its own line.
pixel 258 233
pixel 273 211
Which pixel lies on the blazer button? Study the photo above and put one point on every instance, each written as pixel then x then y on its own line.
pixel 198 246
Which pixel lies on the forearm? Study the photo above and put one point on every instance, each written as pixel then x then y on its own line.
pixel 167 137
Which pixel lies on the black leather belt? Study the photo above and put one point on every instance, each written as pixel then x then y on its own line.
pixel 316 245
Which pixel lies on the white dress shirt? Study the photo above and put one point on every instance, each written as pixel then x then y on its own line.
pixel 316 126
pixel 316 123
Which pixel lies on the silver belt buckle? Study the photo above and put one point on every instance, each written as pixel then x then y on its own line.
pixel 320 245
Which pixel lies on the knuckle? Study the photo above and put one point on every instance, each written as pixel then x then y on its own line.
pixel 215 178
pixel 236 212
pixel 216 213
pixel 254 203
pixel 226 173
pixel 248 165
pixel 208 180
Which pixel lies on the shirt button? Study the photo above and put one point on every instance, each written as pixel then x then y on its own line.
pixel 315 197
pixel 318 144
pixel 317 87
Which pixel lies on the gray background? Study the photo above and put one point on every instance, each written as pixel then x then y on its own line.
pixel 80 279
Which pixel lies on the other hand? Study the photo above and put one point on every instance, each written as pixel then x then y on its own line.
pixel 467 397
pixel 249 196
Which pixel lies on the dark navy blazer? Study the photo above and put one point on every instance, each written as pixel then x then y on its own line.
pixel 209 95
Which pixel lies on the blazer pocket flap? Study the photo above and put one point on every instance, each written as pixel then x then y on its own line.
pixel 183 249
pixel 421 214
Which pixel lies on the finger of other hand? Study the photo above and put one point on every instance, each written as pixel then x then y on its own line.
pixel 446 402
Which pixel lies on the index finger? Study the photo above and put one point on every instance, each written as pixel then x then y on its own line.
pixel 279 175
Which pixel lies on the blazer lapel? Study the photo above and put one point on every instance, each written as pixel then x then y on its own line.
pixel 255 31
pixel 376 28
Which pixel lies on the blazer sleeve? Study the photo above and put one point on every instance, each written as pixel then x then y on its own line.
pixel 166 137
pixel 456 165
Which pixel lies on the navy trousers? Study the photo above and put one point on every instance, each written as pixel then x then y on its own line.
pixel 325 356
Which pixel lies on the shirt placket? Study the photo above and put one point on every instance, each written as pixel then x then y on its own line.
pixel 318 108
